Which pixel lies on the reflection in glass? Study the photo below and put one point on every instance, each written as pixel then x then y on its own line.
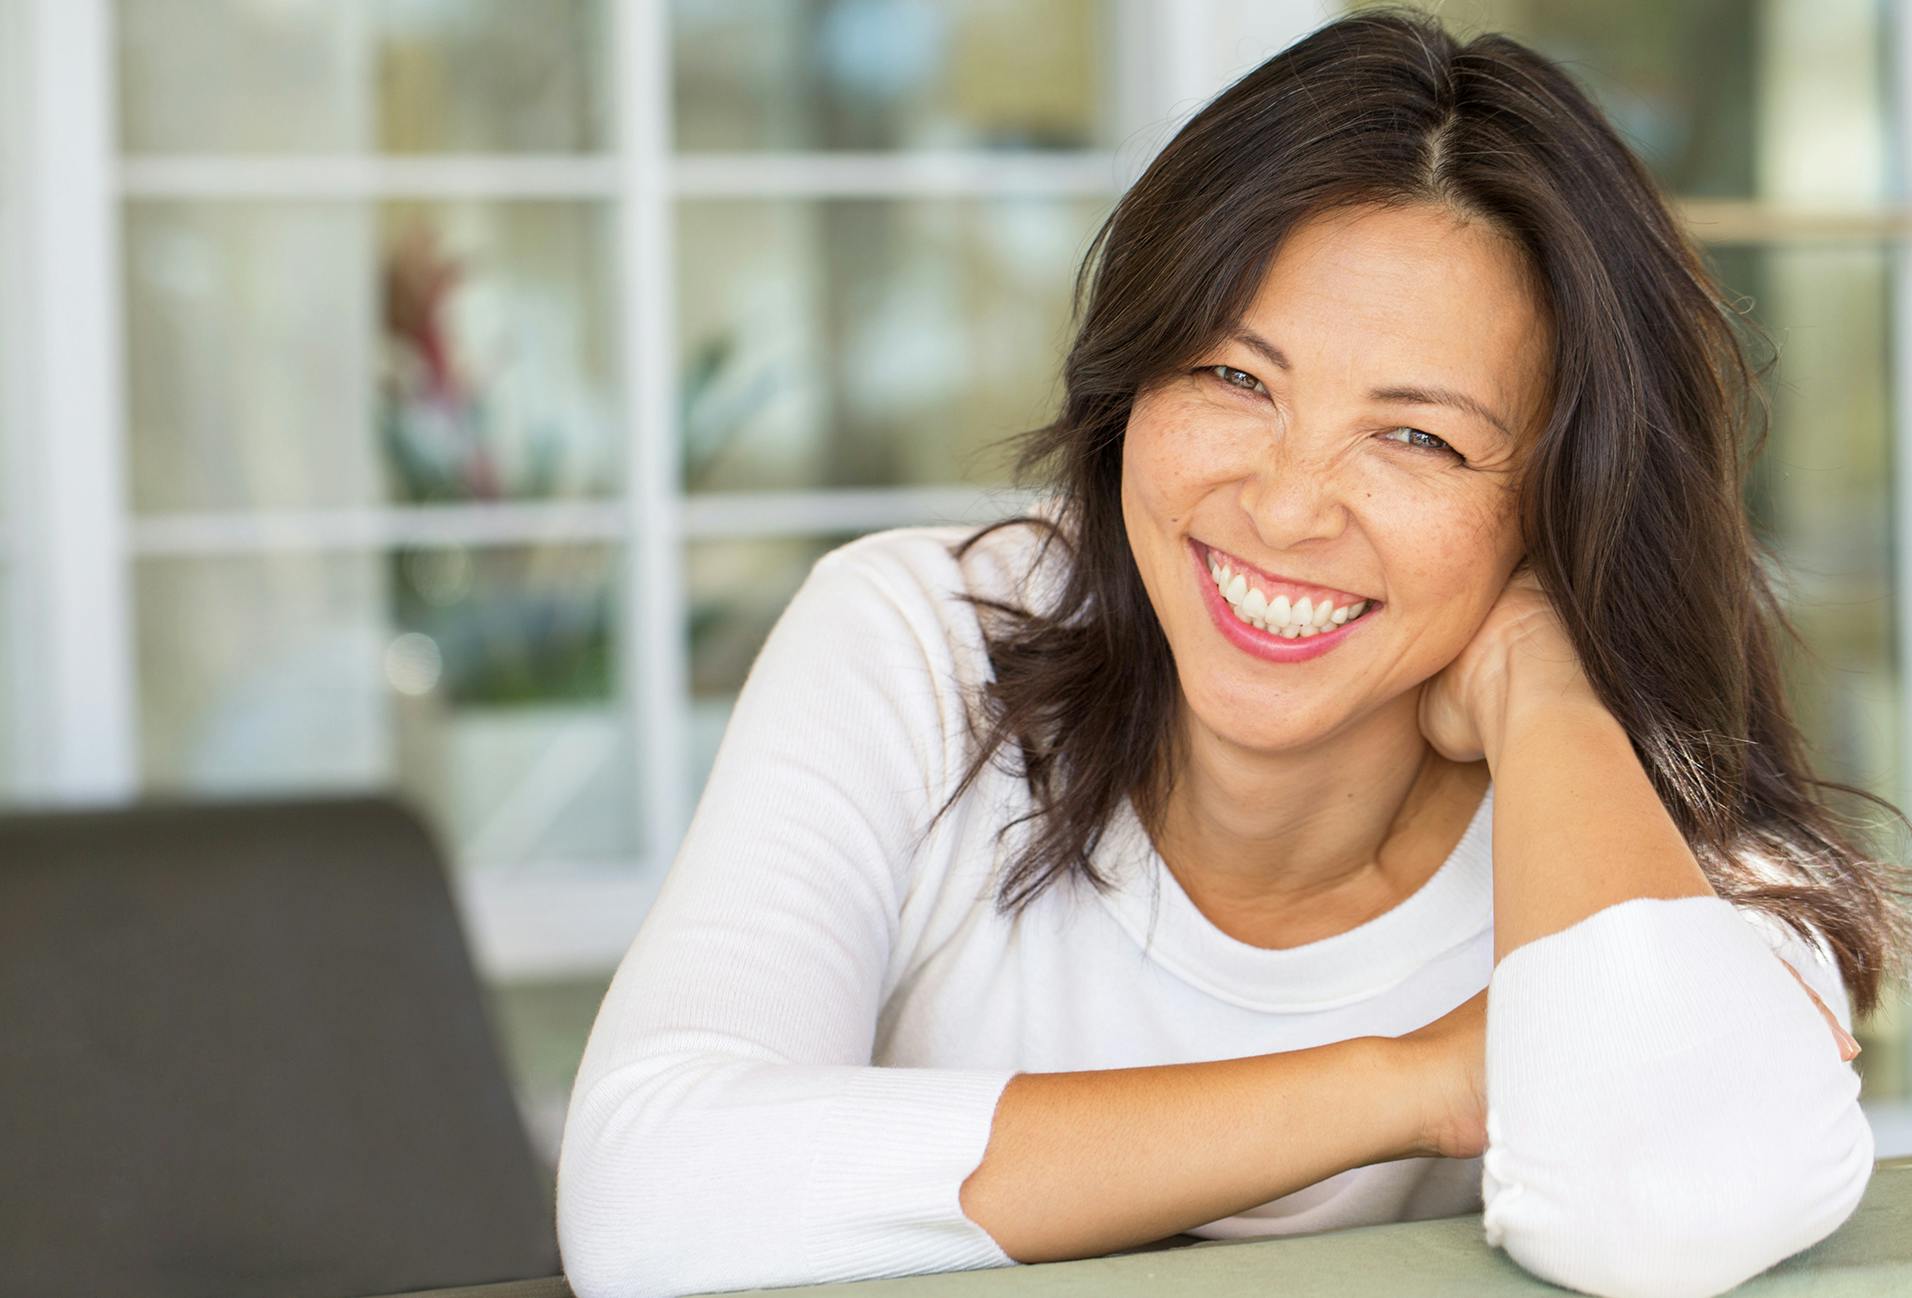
pixel 737 590
pixel 870 343
pixel 891 74
pixel 244 341
pixel 254 329
pixel 478 682
pixel 1713 94
pixel 343 76
pixel 496 626
pixel 496 367
pixel 1819 493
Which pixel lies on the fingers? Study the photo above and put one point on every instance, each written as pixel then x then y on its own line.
pixel 1848 1047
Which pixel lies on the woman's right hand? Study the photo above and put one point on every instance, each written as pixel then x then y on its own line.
pixel 1450 1057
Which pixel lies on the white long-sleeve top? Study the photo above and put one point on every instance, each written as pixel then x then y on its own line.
pixel 798 1061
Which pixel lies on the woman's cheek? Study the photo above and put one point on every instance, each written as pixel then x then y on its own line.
pixel 1178 454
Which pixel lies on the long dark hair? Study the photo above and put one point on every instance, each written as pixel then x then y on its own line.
pixel 1631 498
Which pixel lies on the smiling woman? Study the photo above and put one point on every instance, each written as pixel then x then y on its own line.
pixel 1392 637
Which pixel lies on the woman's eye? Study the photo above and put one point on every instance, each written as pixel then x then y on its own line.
pixel 1233 377
pixel 1438 444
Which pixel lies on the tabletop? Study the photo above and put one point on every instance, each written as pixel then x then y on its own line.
pixel 1447 1256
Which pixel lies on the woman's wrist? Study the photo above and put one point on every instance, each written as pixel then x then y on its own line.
pixel 1405 1069
pixel 1536 694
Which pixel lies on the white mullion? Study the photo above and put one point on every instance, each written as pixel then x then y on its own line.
pixel 654 649
pixel 1189 61
pixel 71 469
pixel 770 174
pixel 1142 28
pixel 715 516
pixel 15 409
pixel 704 516
pixel 369 176
pixel 278 531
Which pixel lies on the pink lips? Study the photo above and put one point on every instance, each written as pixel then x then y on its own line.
pixel 1266 645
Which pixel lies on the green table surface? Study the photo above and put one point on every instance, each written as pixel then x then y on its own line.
pixel 1870 1254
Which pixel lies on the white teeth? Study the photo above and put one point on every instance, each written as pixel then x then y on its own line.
pixel 1304 617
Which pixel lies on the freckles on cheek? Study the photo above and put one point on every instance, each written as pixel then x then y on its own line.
pixel 1434 558
pixel 1168 468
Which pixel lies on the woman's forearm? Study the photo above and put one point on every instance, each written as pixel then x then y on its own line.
pixel 1655 1076
pixel 1085 1163
pixel 1577 824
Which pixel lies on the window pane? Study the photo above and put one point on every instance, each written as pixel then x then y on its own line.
pixel 1820 493
pixel 246 329
pixel 340 76
pixel 891 74
pixel 1722 98
pixel 288 355
pixel 498 335
pixel 737 589
pixel 481 682
pixel 869 342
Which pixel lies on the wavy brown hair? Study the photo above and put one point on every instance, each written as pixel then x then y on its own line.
pixel 1631 498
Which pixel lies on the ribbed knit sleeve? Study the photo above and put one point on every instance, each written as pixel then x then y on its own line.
pixel 1667 1112
pixel 727 1129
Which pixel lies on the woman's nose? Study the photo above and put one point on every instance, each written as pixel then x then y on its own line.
pixel 1294 498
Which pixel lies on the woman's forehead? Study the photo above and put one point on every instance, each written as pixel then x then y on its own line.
pixel 1407 297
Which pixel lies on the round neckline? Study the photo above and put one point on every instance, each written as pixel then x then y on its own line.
pixel 1453 906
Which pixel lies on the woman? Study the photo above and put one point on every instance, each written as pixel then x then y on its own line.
pixel 1393 639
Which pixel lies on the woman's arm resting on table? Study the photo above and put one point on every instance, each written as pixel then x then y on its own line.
pixel 1667 1111
pixel 727 1129
pixel 1086 1163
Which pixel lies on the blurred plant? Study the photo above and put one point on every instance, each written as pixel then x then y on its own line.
pixel 716 405
pixel 511 626
pixel 506 625
pixel 443 432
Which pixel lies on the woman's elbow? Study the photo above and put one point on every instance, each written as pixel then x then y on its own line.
pixel 600 1241
pixel 622 1233
pixel 1639 1226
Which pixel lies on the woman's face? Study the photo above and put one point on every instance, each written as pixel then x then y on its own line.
pixel 1300 455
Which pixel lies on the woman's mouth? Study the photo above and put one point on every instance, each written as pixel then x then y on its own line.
pixel 1282 625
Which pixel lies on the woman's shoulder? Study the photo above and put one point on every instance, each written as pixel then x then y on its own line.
pixel 932 572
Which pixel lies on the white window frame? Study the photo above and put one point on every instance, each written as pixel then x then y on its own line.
pixel 77 538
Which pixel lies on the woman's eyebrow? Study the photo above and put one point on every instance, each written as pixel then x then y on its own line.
pixel 1421 394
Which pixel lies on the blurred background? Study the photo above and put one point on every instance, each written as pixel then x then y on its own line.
pixel 444 396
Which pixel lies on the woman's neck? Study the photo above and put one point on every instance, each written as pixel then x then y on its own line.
pixel 1285 848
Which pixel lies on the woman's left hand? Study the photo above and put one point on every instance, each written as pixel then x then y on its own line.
pixel 1463 703
pixel 1848 1044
